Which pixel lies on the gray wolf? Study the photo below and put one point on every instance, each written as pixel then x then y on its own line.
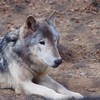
pixel 26 56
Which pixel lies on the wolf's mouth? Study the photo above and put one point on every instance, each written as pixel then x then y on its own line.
pixel 55 66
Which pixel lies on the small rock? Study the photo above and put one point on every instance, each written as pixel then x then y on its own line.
pixel 50 1
pixel 74 20
pixel 77 39
pixel 9 15
pixel 91 90
pixel 70 74
pixel 86 74
pixel 97 46
pixel 27 1
pixel 79 65
pixel 12 28
pixel 18 8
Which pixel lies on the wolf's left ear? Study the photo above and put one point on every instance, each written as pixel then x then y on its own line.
pixel 51 18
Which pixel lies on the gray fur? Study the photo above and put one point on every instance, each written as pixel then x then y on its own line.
pixel 10 38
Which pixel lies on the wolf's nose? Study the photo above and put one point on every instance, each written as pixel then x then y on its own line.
pixel 58 61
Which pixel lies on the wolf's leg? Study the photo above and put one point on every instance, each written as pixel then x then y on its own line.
pixel 30 88
pixel 22 83
pixel 50 83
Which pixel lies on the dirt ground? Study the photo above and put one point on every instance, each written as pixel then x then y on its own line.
pixel 78 22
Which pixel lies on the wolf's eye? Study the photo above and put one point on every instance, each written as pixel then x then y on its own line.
pixel 42 42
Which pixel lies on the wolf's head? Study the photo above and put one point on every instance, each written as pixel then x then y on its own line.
pixel 40 40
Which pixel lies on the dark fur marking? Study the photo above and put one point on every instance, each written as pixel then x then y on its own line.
pixel 23 53
pixel 44 29
pixel 0 40
pixel 10 37
pixel 3 65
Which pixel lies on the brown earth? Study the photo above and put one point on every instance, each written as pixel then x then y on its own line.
pixel 78 22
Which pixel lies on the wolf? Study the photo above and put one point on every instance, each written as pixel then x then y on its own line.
pixel 26 56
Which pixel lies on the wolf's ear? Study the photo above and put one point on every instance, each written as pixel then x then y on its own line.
pixel 31 23
pixel 51 18
pixel 29 27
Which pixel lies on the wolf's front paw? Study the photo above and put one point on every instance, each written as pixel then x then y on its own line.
pixel 61 97
pixel 57 96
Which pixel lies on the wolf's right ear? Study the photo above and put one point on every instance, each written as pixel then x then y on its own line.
pixel 31 23
pixel 29 27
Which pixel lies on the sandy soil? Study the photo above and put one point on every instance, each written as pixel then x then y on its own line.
pixel 78 22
